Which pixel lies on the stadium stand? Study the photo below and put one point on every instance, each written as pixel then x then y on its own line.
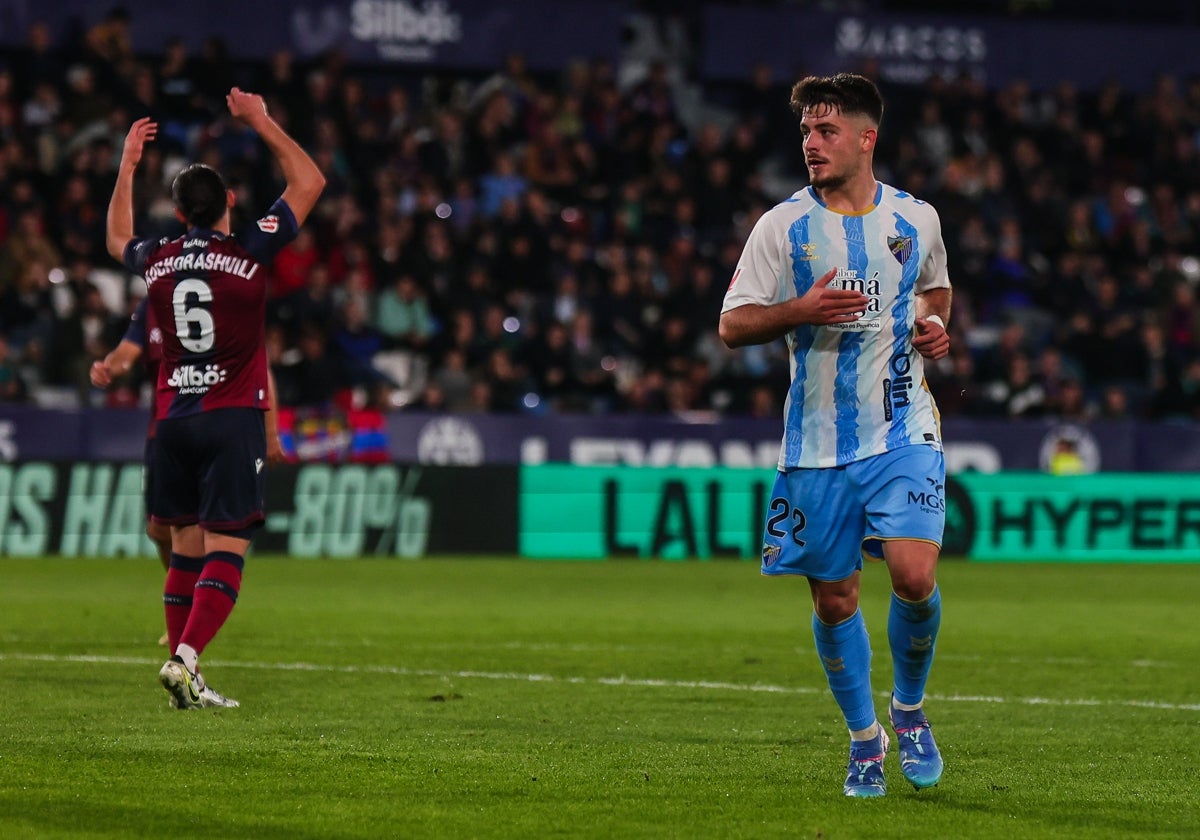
pixel 528 242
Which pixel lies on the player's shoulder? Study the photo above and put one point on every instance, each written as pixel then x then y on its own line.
pixel 143 251
pixel 783 214
pixel 907 204
pixel 153 244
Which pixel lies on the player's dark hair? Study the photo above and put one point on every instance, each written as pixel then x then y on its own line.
pixel 849 93
pixel 199 193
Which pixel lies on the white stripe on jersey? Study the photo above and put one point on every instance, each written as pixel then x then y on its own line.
pixel 857 389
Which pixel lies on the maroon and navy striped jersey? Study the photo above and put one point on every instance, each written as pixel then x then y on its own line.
pixel 208 295
pixel 144 332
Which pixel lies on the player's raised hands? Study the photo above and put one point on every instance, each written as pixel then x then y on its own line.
pixel 140 133
pixel 823 305
pixel 244 105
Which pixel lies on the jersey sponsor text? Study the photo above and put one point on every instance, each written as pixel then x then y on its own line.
pixel 193 379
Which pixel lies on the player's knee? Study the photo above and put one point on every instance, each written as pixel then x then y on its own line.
pixel 913 585
pixel 157 532
pixel 834 608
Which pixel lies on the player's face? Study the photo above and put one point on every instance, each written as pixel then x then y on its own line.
pixel 835 146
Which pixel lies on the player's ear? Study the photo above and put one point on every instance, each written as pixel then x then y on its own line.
pixel 230 198
pixel 868 137
pixel 179 215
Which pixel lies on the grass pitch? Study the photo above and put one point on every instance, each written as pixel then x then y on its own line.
pixel 500 698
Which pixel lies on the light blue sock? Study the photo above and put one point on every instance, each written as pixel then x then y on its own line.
pixel 845 653
pixel 912 632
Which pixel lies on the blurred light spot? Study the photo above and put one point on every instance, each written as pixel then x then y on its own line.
pixel 443 211
pixel 1190 266
pixel 532 400
pixel 1135 195
pixel 57 275
pixel 570 215
pixel 512 324
pixel 609 363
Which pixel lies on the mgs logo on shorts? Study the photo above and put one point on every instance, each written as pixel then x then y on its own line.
pixel 931 500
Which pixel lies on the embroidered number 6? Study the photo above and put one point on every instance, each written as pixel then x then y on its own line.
pixel 193 324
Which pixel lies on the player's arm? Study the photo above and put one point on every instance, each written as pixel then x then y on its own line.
pixel 933 299
pixel 755 323
pixel 304 178
pixel 116 364
pixel 933 318
pixel 275 453
pixel 119 228
pixel 935 302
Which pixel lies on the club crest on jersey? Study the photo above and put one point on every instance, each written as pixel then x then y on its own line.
pixel 810 251
pixel 156 336
pixel 901 248
pixel 771 553
pixel 268 224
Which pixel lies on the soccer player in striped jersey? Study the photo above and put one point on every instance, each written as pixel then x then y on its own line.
pixel 207 292
pixel 852 273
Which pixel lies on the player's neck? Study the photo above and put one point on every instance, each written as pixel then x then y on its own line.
pixel 220 226
pixel 855 196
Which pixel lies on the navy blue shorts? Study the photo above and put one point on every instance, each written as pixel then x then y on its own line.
pixel 150 494
pixel 209 469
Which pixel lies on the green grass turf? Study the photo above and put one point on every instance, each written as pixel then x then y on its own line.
pixel 501 698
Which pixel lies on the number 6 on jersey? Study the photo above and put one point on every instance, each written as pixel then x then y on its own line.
pixel 194 324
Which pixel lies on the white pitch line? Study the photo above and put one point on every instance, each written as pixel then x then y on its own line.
pixel 638 682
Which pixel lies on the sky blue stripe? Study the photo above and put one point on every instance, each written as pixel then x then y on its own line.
pixel 845 384
pixel 901 311
pixel 802 278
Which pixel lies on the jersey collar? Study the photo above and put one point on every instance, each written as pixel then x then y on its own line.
pixel 874 202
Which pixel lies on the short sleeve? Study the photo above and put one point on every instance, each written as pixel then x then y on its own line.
pixel 934 274
pixel 756 277
pixel 138 251
pixel 136 331
pixel 268 235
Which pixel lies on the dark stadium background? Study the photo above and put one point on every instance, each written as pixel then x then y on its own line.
pixel 533 212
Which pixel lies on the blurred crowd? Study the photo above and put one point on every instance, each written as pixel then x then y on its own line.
pixel 531 242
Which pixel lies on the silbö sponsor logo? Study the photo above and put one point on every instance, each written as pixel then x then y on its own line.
pixel 192 379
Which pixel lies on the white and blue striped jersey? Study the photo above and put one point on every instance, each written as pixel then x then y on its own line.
pixel 858 389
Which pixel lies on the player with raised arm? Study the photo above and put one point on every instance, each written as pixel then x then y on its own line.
pixel 207 292
pixel 852 272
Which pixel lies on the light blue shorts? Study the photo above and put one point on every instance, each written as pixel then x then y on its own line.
pixel 822 523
